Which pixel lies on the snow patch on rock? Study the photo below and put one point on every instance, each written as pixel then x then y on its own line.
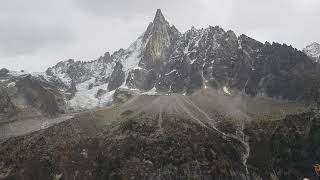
pixel 11 84
pixel 313 51
pixel 226 90
pixel 86 98
pixel 152 91
pixel 84 153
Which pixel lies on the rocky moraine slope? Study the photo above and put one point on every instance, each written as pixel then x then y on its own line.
pixel 203 136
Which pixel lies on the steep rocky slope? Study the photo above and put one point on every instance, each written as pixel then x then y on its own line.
pixel 27 96
pixel 287 148
pixel 7 108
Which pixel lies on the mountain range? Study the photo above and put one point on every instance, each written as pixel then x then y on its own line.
pixel 204 104
pixel 164 60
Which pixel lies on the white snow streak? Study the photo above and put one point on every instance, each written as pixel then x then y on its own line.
pixel 226 90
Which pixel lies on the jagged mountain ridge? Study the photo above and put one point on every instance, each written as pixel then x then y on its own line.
pixel 165 60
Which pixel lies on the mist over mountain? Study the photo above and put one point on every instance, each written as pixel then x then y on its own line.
pixel 204 104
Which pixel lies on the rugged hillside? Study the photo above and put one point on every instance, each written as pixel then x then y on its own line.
pixel 169 137
pixel 27 96
pixel 287 148
pixel 7 108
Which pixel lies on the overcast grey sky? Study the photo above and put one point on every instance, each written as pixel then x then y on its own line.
pixel 35 34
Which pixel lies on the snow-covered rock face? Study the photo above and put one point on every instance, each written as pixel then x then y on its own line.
pixel 79 72
pixel 160 60
pixel 130 68
pixel 313 51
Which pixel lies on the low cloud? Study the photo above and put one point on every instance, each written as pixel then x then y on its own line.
pixel 27 26
pixel 24 39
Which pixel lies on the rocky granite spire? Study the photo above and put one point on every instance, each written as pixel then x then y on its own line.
pixel 159 37
pixel 159 17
